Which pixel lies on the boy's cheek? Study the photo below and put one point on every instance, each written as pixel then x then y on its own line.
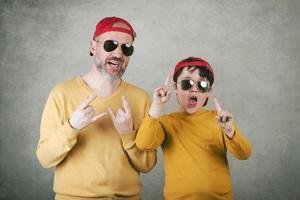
pixel 183 101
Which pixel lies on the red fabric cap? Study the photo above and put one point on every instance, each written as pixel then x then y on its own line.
pixel 194 61
pixel 107 25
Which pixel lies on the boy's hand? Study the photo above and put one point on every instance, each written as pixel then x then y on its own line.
pixel 160 96
pixel 123 119
pixel 84 114
pixel 225 120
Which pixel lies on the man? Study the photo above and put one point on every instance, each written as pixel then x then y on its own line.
pixel 89 124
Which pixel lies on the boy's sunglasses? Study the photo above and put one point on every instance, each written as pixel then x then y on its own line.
pixel 111 45
pixel 187 84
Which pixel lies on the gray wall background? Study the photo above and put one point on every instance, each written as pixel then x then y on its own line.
pixel 253 46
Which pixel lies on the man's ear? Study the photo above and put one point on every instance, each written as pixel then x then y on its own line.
pixel 93 47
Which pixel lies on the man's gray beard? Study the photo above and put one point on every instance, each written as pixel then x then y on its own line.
pixel 108 77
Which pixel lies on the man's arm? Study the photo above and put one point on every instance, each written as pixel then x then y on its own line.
pixel 59 133
pixel 142 161
pixel 57 137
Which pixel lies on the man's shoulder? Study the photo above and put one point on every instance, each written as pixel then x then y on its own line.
pixel 65 85
pixel 134 89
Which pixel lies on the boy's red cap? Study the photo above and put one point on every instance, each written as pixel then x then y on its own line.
pixel 192 61
pixel 107 25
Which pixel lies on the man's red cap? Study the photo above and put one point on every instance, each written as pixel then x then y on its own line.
pixel 192 61
pixel 107 24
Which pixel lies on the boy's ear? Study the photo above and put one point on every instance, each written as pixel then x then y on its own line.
pixel 209 92
pixel 205 102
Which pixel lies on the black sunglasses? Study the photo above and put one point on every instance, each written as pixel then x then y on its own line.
pixel 111 45
pixel 202 86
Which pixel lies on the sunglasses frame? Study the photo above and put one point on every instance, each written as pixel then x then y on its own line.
pixel 197 83
pixel 111 45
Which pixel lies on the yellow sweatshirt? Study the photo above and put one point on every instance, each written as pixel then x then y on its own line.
pixel 96 161
pixel 194 152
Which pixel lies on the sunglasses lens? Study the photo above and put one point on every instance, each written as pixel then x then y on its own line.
pixel 203 86
pixel 186 84
pixel 127 49
pixel 110 45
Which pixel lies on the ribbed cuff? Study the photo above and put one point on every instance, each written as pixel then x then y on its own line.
pixel 128 140
pixel 69 135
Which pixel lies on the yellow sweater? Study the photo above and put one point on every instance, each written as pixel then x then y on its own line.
pixel 97 161
pixel 194 149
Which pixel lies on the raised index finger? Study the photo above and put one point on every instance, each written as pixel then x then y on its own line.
pixel 217 105
pixel 126 105
pixel 167 80
pixel 87 101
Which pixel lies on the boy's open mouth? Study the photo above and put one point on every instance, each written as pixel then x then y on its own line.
pixel 192 102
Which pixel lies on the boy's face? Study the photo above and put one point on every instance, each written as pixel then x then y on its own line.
pixel 191 100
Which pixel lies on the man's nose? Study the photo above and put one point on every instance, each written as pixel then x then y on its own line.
pixel 118 51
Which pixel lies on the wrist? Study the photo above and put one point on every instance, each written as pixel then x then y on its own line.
pixel 71 125
pixel 155 110
pixel 230 133
pixel 123 132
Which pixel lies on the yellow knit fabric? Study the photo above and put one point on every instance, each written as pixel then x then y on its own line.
pixel 194 151
pixel 98 162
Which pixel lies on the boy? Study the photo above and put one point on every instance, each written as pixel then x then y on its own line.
pixel 194 140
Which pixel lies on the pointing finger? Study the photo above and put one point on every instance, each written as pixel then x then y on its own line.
pixel 167 80
pixel 217 105
pixel 87 101
pixel 126 105
pixel 99 116
pixel 111 114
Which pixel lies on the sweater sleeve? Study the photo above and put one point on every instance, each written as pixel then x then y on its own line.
pixel 57 137
pixel 142 161
pixel 239 146
pixel 150 135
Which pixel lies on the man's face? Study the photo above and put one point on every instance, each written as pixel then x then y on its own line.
pixel 113 64
pixel 190 100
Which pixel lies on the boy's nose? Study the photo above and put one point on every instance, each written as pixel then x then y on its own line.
pixel 194 88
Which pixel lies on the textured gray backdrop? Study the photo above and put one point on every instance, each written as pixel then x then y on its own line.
pixel 253 46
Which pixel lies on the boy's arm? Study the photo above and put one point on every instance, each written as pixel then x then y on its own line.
pixel 238 145
pixel 151 134
pixel 235 142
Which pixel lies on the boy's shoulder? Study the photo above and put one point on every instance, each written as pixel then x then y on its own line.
pixel 204 114
pixel 200 113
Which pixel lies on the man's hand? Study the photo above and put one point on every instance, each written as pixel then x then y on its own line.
pixel 225 120
pixel 84 114
pixel 122 120
pixel 161 95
